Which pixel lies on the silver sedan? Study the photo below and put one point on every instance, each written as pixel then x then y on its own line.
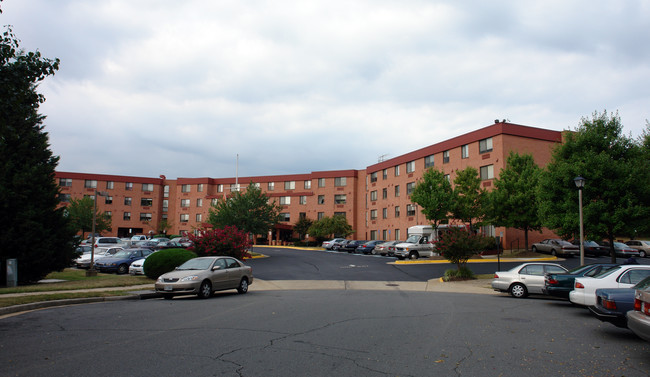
pixel 525 279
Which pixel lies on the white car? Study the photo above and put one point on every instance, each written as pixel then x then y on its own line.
pixel 327 245
pixel 137 267
pixel 625 276
pixel 84 260
pixel 525 278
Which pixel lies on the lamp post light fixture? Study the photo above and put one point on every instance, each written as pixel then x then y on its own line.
pixel 91 269
pixel 580 184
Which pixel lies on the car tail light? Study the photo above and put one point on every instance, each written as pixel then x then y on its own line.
pixel 496 276
pixel 637 304
pixel 551 281
pixel 579 285
pixel 608 304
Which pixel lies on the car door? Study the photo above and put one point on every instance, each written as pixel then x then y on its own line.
pixel 632 276
pixel 533 277
pixel 219 275
pixel 235 272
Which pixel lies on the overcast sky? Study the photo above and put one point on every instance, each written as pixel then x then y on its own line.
pixel 150 87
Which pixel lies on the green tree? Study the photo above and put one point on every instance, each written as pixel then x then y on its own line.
pixel 28 191
pixel 435 196
pixel 80 214
pixel 163 226
pixel 513 201
pixel 250 211
pixel 615 196
pixel 469 197
pixel 328 227
pixel 302 226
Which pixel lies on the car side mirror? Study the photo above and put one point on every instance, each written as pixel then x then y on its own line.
pixel 216 268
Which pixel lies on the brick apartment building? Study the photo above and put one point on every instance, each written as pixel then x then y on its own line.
pixel 375 201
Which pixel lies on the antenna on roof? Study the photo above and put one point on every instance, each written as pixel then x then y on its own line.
pixel 382 158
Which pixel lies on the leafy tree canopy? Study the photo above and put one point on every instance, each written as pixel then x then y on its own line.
pixel 434 195
pixel 327 227
pixel 469 197
pixel 302 226
pixel 80 214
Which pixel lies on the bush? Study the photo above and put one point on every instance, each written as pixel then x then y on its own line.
pixel 457 245
pixel 463 273
pixel 164 261
pixel 228 241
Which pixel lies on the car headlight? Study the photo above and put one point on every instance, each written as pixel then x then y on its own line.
pixel 160 279
pixel 190 278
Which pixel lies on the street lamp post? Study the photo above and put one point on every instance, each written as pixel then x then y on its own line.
pixel 580 184
pixel 91 269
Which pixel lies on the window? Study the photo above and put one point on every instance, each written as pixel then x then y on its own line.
pixel 199 187
pixel 373 195
pixel 487 172
pixel 321 182
pixel 397 171
pixel 127 201
pixel 64 198
pixel 320 215
pixel 340 181
pixel 410 187
pixel 373 177
pixel 145 216
pixel 302 215
pixel 397 235
pixel 321 199
pixel 146 202
pixel 165 205
pixel 185 203
pixel 199 202
pixel 384 193
pixel 447 177
pixel 410 167
pixel 285 216
pixel 396 191
pixel 485 145
pixel 464 151
pixel 384 213
pixel 185 217
pixel 214 201
pixel 166 191
pixel 234 187
pixel 410 210
pixel 199 218
pixel 373 235
pixel 285 200
pixel 255 184
pixel 445 157
pixel 110 185
pixel 396 211
pixel 108 213
pixel 90 183
pixel 303 199
pixel 384 174
pixel 384 234
pixel 65 182
pixel 108 200
pixel 339 214
pixel 373 214
pixel 308 185
pixel 428 161
pixel 126 216
pixel 147 187
pixel 270 186
pixel 186 188
pixel 219 188
pixel 128 186
pixel 340 199
pixel 290 185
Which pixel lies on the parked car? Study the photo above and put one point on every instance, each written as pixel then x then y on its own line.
pixel 152 245
pixel 641 245
pixel 368 246
pixel 120 261
pixel 137 267
pixel 592 248
pixel 351 246
pixel 525 279
pixel 107 241
pixel 625 276
pixel 84 260
pixel 624 251
pixel 556 246
pixel 168 245
pixel 328 245
pixel 385 248
pixel 204 275
pixel 612 304
pixel 83 249
pixel 139 237
pixel 559 285
pixel 638 320
pixel 184 241
pixel 338 245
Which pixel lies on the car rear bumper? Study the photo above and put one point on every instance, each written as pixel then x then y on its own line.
pixel 616 318
pixel 639 323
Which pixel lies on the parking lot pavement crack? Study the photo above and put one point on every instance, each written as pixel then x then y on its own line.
pixel 462 360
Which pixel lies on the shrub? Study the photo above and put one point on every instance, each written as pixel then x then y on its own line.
pixel 228 241
pixel 164 261
pixel 463 273
pixel 457 245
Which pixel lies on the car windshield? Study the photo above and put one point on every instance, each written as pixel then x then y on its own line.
pixel 122 254
pixel 643 284
pixel 196 264
pixel 412 239
pixel 620 245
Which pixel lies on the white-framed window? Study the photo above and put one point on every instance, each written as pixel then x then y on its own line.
pixel 485 145
pixel 126 216
pixel 90 183
pixel 373 235
pixel 384 174
pixel 145 216
pixel 396 211
pixel 65 182
pixel 487 172
pixel 110 185
pixel 308 184
pixel 65 198
pixel 384 234
pixel 127 200
pixel 340 199
pixel 214 201
pixel 185 203
pixel 285 216
pixel 373 195
pixel 384 213
pixel 464 151
pixel 270 186
pixel 384 193
pixel 146 202
pixel 199 218
pixel 321 199
pixel 303 199
pixel 410 167
pixel 428 161
pixel 397 171
pixel 199 202
pixel 165 205
pixel 410 187
pixel 108 200
pixel 342 214
pixel 185 217
pixel 128 186
pixel 410 210
pixel 397 235
pixel 448 178
pixel 396 191
pixel 285 200
pixel 166 191
pixel 373 177
pixel 234 187
pixel 290 185
pixel 186 188
pixel 340 181
pixel 445 157
pixel 199 187
pixel 108 213
pixel 147 187
pixel 320 215
pixel 321 182
pixel 373 214
pixel 219 188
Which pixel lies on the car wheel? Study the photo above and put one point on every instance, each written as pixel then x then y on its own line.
pixel 553 252
pixel 534 249
pixel 205 290
pixel 167 296
pixel 642 253
pixel 243 286
pixel 413 255
pixel 518 291
pixel 122 269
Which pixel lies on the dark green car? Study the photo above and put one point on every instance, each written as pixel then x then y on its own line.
pixel 559 285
